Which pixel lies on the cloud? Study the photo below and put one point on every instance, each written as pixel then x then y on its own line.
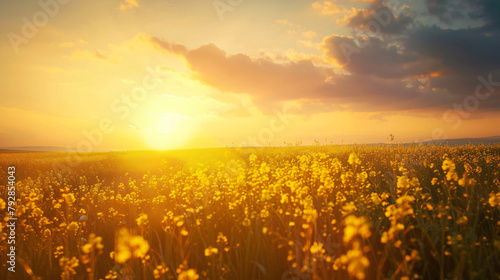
pixel 436 7
pixel 373 94
pixel 292 29
pixel 326 7
pixel 270 82
pixel 442 60
pixel 451 11
pixel 163 45
pixel 376 57
pixel 378 14
pixel 309 34
pixel 447 11
pixel 429 59
pixel 488 11
pixel 464 54
pixel 259 77
pixel 464 50
pixel 285 22
pixel 239 73
pixel 128 4
pixel 410 65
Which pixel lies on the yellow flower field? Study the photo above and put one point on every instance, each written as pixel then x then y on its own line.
pixel 318 212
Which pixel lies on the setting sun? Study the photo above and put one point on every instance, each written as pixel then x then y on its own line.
pixel 166 131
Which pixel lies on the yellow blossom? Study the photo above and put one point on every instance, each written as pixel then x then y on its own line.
pixel 211 251
pixel 189 274
pixel 356 227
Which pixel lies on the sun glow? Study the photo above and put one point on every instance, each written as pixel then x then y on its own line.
pixel 167 123
pixel 167 131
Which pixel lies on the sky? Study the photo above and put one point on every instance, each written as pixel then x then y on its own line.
pixel 155 74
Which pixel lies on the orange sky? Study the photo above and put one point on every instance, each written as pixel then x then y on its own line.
pixel 148 74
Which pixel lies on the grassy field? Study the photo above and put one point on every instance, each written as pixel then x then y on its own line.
pixel 321 212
